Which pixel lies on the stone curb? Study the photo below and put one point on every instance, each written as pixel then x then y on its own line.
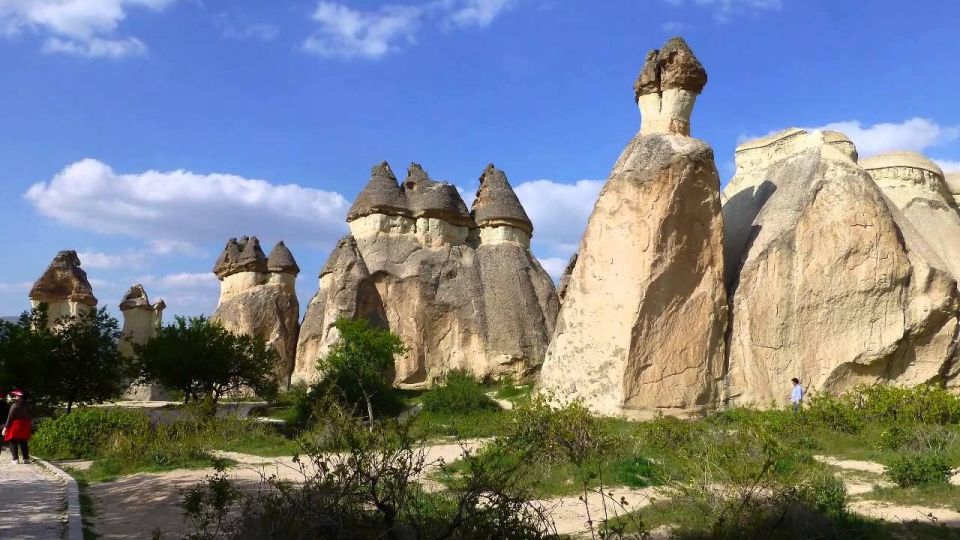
pixel 74 518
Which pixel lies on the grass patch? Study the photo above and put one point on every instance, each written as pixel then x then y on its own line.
pixel 933 495
pixel 481 424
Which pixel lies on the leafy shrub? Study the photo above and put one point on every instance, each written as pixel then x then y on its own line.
pixel 919 469
pixel 460 393
pixel 893 437
pixel 926 404
pixel 835 413
pixel 827 494
pixel 85 432
pixel 636 471
pixel 667 432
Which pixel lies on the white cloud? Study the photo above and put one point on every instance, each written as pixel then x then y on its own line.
pixel 674 27
pixel 345 32
pixel 724 10
pixel 80 27
pixel 916 134
pixel 559 213
pixel 179 209
pixel 478 13
pixel 185 293
pixel 21 287
pixel 948 165
pixel 233 26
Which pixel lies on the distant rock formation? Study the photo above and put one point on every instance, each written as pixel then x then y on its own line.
pixel 641 328
pixel 916 186
pixel 141 321
pixel 63 287
pixel 258 296
pixel 461 289
pixel 830 283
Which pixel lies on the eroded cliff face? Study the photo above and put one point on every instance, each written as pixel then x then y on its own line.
pixel 829 282
pixel 258 296
pixel 641 328
pixel 462 290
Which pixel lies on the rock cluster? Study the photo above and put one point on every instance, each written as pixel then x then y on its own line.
pixel 63 287
pixel 141 320
pixel 258 296
pixel 461 288
pixel 641 328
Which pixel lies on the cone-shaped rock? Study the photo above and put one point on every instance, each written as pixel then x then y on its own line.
pixel 832 284
pixel 227 261
pixel 63 287
pixel 281 260
pixel 347 290
pixel 431 199
pixel 497 203
pixel 641 327
pixel 382 195
pixel 252 258
pixel 141 321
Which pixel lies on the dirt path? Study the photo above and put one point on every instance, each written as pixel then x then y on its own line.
pixel 862 477
pixel 32 501
pixel 570 515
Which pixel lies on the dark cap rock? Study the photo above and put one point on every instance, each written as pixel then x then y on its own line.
pixel 240 255
pixel 382 195
pixel 673 66
pixel 281 260
pixel 431 199
pixel 343 256
pixel 64 280
pixel 497 202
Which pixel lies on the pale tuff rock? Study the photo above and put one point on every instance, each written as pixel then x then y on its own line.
pixel 668 85
pixel 917 187
pixel 258 296
pixel 141 321
pixel 830 283
pixel 641 328
pixel 423 269
pixel 953 186
pixel 63 287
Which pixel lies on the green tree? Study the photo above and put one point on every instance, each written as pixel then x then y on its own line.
pixel 86 366
pixel 73 362
pixel 204 360
pixel 363 358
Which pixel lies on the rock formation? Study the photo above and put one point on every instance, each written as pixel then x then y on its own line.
pixel 141 320
pixel 258 296
pixel 462 290
pixel 829 282
pixel 953 186
pixel 63 287
pixel 641 328
pixel 916 186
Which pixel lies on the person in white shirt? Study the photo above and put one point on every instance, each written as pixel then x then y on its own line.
pixel 796 395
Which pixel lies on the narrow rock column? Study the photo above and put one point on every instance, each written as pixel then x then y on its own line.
pixel 641 328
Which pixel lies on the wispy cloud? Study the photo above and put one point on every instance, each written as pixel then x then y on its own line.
pixel 78 27
pixel 344 32
pixel 725 10
pixel 949 165
pixel 233 26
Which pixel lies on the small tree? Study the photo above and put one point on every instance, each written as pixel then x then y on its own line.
pixel 74 362
pixel 203 359
pixel 364 357
pixel 86 366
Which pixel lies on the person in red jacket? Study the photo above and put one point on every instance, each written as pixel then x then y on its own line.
pixel 17 429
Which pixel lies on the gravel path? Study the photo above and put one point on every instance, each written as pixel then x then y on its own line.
pixel 32 501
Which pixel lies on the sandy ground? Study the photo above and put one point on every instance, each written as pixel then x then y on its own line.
pixel 134 507
pixel 32 501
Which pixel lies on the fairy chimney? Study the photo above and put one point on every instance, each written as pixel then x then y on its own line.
pixel 668 85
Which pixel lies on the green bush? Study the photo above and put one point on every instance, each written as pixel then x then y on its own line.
pixel 85 432
pixel 460 393
pixel 835 413
pixel 919 469
pixel 827 494
pixel 925 404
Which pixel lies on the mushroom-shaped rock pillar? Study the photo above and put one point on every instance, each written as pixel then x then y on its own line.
pixel 668 86
pixel 63 288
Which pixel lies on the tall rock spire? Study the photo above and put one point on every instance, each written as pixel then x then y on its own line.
pixel 668 85
pixel 497 204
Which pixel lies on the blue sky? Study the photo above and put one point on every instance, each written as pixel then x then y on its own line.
pixel 144 133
